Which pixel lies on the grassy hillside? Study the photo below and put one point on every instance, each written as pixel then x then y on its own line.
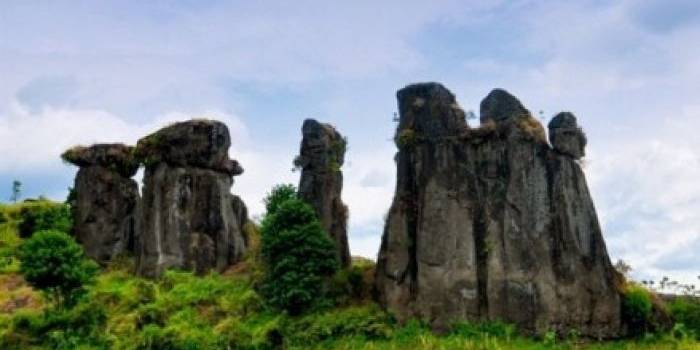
pixel 225 311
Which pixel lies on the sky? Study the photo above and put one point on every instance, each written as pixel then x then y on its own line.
pixel 80 72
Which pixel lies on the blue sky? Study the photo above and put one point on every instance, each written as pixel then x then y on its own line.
pixel 77 72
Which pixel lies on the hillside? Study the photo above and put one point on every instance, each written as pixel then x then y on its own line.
pixel 226 311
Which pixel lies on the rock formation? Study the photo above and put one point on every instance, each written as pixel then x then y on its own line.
pixel 190 220
pixel 566 137
pixel 492 223
pixel 106 199
pixel 320 158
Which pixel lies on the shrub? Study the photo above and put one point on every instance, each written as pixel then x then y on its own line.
pixel 686 311
pixel 80 327
pixel 298 256
pixel 54 263
pixel 366 321
pixel 44 215
pixel 637 308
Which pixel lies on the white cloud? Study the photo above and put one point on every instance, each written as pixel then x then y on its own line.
pixel 647 192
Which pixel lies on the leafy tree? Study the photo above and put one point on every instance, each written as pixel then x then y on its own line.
pixel 16 190
pixel 54 263
pixel 279 194
pixel 45 215
pixel 298 255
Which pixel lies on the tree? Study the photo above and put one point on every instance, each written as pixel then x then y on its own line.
pixel 54 263
pixel 45 215
pixel 299 257
pixel 279 194
pixel 16 190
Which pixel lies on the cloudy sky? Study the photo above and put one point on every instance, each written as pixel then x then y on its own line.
pixel 78 72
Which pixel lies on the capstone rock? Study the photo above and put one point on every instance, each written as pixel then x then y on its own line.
pixel 106 199
pixel 190 220
pixel 566 136
pixel 321 156
pixel 491 223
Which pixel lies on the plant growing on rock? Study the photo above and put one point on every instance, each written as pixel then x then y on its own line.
pixel 299 257
pixel 54 263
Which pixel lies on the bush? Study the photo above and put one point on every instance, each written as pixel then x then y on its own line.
pixel 80 327
pixel 54 263
pixel 686 311
pixel 45 215
pixel 637 308
pixel 298 256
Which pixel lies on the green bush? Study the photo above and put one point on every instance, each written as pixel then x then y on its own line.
pixel 45 215
pixel 54 263
pixel 637 308
pixel 366 321
pixel 79 327
pixel 299 257
pixel 686 311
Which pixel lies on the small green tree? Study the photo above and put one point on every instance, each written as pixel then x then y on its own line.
pixel 299 257
pixel 279 194
pixel 45 215
pixel 54 263
pixel 16 190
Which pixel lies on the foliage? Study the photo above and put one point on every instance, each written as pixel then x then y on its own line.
pixel 637 308
pixel 16 190
pixel 686 311
pixel 44 215
pixel 278 195
pixel 54 263
pixel 406 138
pixel 297 254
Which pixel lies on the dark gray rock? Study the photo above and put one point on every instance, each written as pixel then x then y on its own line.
pixel 116 157
pixel 195 143
pixel 106 199
pixel 566 136
pixel 320 158
pixel 190 220
pixel 491 224
pixel 500 105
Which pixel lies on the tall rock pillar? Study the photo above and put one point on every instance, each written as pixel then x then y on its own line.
pixel 190 219
pixel 320 158
pixel 106 199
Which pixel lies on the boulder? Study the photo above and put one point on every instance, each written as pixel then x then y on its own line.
pixel 190 220
pixel 566 136
pixel 106 199
pixel 321 157
pixel 491 224
pixel 196 143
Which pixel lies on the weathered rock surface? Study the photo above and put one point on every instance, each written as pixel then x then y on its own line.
pixel 491 223
pixel 566 136
pixel 106 199
pixel 190 220
pixel 320 158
